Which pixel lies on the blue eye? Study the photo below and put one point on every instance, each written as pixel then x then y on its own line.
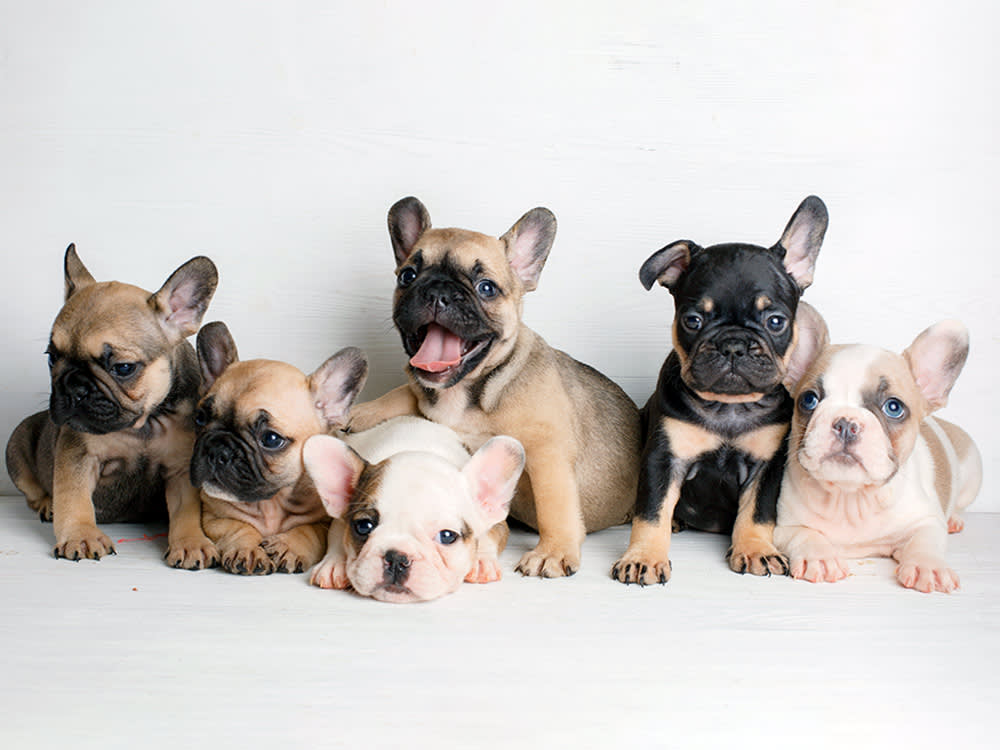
pixel 777 323
pixel 201 416
pixel 808 401
pixel 407 276
pixel 894 408
pixel 692 321
pixel 124 369
pixel 487 289
pixel 447 536
pixel 363 526
pixel 271 440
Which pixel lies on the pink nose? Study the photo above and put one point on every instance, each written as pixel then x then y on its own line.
pixel 847 430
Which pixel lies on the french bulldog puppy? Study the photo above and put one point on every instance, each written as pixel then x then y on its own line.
pixel 717 423
pixel 259 506
pixel 414 511
pixel 477 368
pixel 869 472
pixel 116 441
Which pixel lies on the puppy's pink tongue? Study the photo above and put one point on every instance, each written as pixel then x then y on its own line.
pixel 441 349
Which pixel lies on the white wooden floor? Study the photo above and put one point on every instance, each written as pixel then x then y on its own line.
pixel 129 653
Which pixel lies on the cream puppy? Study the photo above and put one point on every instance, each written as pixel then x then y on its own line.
pixel 869 472
pixel 412 510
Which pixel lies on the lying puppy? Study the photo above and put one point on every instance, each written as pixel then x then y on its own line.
pixel 260 507
pixel 869 473
pixel 716 425
pixel 116 440
pixel 475 367
pixel 415 509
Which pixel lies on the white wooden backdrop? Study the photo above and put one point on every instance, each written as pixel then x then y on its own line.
pixel 273 137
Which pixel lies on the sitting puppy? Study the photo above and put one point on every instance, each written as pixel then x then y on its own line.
pixel 475 367
pixel 869 473
pixel 415 510
pixel 260 508
pixel 116 440
pixel 717 423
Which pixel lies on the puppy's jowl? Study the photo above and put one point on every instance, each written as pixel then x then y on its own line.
pixel 116 441
pixel 260 507
pixel 475 367
pixel 717 424
pixel 869 472
pixel 415 515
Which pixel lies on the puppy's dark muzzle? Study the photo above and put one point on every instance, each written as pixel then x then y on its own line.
pixel 79 402
pixel 734 362
pixel 222 459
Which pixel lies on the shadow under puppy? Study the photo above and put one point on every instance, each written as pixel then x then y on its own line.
pixel 115 442
pixel 475 367
pixel 717 423
pixel 415 511
pixel 869 471
pixel 260 507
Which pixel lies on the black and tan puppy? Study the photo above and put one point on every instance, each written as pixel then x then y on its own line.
pixel 116 440
pixel 717 424
pixel 260 507
pixel 475 367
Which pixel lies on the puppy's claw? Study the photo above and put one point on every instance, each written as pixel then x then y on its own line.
pixel 640 572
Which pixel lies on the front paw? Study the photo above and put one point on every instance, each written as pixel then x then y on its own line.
pixel 549 561
pixel 485 570
pixel 84 543
pixel 816 570
pixel 195 553
pixel 330 573
pixel 757 559
pixel 247 561
pixel 286 560
pixel 927 576
pixel 42 506
pixel 642 568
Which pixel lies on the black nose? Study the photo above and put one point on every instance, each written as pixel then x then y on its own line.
pixel 733 346
pixel 396 566
pixel 218 452
pixel 440 295
pixel 847 430
pixel 77 386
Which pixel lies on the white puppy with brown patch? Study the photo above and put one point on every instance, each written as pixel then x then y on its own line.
pixel 869 472
pixel 412 509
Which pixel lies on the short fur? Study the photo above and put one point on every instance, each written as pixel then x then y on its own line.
pixel 115 443
pixel 475 367
pixel 260 507
pixel 870 473
pixel 716 425
pixel 415 515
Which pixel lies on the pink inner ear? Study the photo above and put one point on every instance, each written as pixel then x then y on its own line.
pixel 182 314
pixel 332 470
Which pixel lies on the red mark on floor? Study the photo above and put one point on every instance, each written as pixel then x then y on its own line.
pixel 143 538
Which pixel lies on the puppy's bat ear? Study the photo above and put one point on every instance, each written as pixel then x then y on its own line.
pixel 811 337
pixel 216 351
pixel 334 469
pixel 493 472
pixel 76 274
pixel 667 264
pixel 181 302
pixel 936 357
pixel 803 238
pixel 336 383
pixel 528 243
pixel 408 219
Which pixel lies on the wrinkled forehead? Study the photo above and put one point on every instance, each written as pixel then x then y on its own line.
pixel 263 385
pixel 849 373
pixel 461 250
pixel 418 488
pixel 108 314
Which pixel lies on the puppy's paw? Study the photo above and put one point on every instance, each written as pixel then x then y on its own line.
pixel 330 573
pixel 955 524
pixel 759 560
pixel 927 576
pixel 643 569
pixel 247 561
pixel 485 570
pixel 42 506
pixel 286 559
pixel 84 543
pixel 547 561
pixel 817 570
pixel 194 553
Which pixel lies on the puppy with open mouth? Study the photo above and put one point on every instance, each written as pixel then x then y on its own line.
pixel 477 368
pixel 870 472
